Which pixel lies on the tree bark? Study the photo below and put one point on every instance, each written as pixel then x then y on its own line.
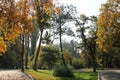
pixel 22 55
pixel 61 48
pixel 38 51
pixel 94 52
pixel 94 63
pixel 26 55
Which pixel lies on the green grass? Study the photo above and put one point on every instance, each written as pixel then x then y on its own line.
pixel 47 75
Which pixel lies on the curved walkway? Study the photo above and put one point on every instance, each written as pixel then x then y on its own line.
pixel 13 75
pixel 109 75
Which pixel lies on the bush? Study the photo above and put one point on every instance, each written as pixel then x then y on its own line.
pixel 78 64
pixel 63 71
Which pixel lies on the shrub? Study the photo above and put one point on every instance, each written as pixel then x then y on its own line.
pixel 78 64
pixel 63 71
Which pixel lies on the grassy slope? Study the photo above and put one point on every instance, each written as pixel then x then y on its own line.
pixel 47 75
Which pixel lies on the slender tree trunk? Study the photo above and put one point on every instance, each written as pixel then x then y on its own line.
pixel 26 55
pixel 70 62
pixel 22 54
pixel 94 60
pixel 94 63
pixel 38 51
pixel 62 55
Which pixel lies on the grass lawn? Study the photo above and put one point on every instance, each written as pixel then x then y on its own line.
pixel 47 75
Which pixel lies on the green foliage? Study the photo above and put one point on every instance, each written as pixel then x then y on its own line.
pixel 11 59
pixel 78 64
pixel 49 56
pixel 70 46
pixel 63 71
pixel 47 38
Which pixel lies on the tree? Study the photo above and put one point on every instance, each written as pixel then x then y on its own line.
pixel 34 39
pixel 47 38
pixel 8 23
pixel 81 22
pixel 49 56
pixel 91 43
pixel 15 21
pixel 88 41
pixel 60 19
pixel 108 25
pixel 44 11
pixel 26 25
pixel 108 31
pixel 27 50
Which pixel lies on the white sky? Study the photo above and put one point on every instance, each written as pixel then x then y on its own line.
pixel 87 7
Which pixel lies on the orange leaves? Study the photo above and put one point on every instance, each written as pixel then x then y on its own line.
pixel 2 45
pixel 58 10
pixel 15 20
pixel 12 34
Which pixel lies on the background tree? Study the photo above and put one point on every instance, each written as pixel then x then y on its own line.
pixel 44 11
pixel 26 25
pixel 12 57
pixel 108 31
pixel 8 18
pixel 27 50
pixel 34 39
pixel 49 56
pixel 71 47
pixel 66 14
pixel 14 21
pixel 108 25
pixel 88 40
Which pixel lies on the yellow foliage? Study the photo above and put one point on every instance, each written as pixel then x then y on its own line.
pixel 108 25
pixel 2 45
pixel 15 20
pixel 42 20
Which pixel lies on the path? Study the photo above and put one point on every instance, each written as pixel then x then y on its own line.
pixel 13 75
pixel 109 75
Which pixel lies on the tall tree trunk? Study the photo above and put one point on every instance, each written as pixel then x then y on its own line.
pixel 61 48
pixel 94 63
pixel 22 54
pixel 38 51
pixel 93 56
pixel 26 55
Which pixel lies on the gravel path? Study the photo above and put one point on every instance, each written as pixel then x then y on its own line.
pixel 13 75
pixel 109 75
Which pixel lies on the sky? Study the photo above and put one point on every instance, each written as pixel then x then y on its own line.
pixel 87 7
